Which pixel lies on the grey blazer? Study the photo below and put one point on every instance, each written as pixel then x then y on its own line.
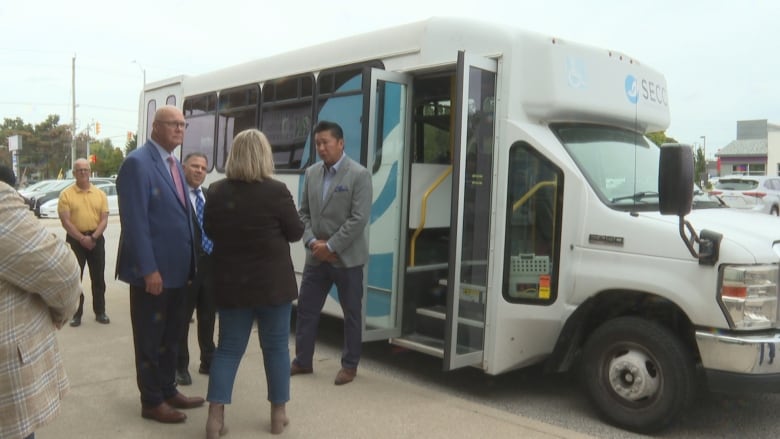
pixel 342 216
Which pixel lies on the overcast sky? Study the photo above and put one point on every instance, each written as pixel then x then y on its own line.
pixel 720 58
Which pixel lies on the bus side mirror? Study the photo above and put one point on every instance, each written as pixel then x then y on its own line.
pixel 675 179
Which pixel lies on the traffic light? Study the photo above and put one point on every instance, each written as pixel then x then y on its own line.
pixel 93 159
pixel 97 128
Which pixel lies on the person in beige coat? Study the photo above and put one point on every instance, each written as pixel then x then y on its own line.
pixel 39 292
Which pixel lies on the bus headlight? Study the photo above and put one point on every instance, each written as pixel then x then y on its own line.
pixel 748 293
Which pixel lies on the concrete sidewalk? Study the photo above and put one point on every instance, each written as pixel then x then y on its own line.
pixel 104 401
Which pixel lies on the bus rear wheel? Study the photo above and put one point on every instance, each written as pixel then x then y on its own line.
pixel 638 374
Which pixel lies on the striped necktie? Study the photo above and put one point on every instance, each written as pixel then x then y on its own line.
pixel 200 205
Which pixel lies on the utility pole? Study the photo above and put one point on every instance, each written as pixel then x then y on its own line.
pixel 73 132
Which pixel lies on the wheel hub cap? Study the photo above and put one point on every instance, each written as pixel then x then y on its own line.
pixel 633 376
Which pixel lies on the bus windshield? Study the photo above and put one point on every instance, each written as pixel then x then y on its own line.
pixel 620 165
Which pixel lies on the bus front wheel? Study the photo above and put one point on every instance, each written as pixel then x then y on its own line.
pixel 638 374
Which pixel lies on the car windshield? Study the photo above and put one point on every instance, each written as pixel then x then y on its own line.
pixel 620 165
pixel 736 184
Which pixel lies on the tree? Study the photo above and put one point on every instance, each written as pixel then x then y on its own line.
pixel 700 168
pixel 131 144
pixel 659 138
pixel 45 146
pixel 108 157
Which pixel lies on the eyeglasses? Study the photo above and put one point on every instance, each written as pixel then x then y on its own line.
pixel 81 170
pixel 173 123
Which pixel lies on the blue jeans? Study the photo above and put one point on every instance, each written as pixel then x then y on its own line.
pixel 235 326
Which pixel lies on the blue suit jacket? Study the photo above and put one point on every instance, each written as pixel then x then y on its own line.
pixel 157 230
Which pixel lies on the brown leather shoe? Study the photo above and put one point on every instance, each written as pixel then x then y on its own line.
pixel 345 376
pixel 298 370
pixel 163 413
pixel 180 401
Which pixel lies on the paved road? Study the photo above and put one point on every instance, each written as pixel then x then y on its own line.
pixel 103 401
pixel 522 398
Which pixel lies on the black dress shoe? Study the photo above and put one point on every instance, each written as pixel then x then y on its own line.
pixel 75 321
pixel 102 318
pixel 204 369
pixel 183 377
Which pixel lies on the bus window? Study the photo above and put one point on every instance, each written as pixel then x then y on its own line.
pixel 237 112
pixel 170 100
pixel 340 100
pixel 286 115
pixel 433 120
pixel 151 108
pixel 200 113
pixel 534 209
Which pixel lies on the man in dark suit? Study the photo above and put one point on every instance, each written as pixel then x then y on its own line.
pixel 335 209
pixel 156 257
pixel 200 296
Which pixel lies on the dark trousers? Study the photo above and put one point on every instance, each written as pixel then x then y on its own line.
pixel 316 282
pixel 96 260
pixel 157 327
pixel 200 297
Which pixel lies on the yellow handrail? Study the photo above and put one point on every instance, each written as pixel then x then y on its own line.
pixel 423 210
pixel 553 183
pixel 517 204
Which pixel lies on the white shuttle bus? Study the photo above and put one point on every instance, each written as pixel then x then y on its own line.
pixel 516 216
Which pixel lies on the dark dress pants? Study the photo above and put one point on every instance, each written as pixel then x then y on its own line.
pixel 96 260
pixel 316 283
pixel 200 297
pixel 157 328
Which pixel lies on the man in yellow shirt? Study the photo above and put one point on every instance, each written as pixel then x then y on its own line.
pixel 83 211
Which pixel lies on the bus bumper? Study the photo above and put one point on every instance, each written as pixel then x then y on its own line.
pixel 740 363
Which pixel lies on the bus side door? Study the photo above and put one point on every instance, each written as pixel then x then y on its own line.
pixel 472 212
pixel 389 118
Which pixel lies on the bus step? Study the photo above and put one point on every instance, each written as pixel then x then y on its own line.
pixel 421 343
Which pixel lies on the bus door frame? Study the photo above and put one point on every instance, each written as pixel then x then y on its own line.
pixel 378 102
pixel 454 359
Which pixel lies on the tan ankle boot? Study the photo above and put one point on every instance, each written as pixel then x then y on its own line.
pixel 279 418
pixel 215 424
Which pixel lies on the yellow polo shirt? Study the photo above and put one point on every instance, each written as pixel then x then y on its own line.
pixel 85 207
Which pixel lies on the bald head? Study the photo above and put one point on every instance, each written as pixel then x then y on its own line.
pixel 168 127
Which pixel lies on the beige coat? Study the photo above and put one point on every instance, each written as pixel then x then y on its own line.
pixel 39 292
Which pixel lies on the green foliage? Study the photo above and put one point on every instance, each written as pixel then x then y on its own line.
pixel 659 138
pixel 131 144
pixel 700 168
pixel 108 158
pixel 46 149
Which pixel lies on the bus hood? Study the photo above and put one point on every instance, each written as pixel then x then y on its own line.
pixel 753 233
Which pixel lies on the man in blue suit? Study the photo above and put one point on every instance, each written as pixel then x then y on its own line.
pixel 335 209
pixel 156 257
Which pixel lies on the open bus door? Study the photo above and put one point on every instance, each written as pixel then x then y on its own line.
pixel 388 122
pixel 470 237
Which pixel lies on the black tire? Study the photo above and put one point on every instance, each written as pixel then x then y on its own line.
pixel 653 374
pixel 775 211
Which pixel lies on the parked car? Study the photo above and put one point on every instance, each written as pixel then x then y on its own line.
pixel 53 193
pixel 706 199
pixel 750 192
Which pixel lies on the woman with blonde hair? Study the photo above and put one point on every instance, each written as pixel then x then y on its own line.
pixel 252 219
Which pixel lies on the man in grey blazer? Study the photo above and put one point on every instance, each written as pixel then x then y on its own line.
pixel 335 210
